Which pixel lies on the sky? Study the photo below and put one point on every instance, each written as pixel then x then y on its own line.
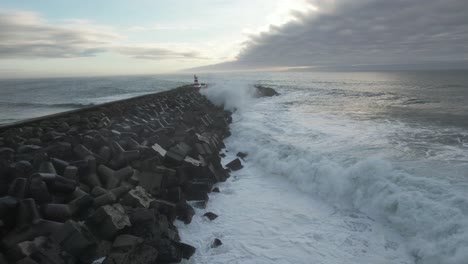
pixel 104 37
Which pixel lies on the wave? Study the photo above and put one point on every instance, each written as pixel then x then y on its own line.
pixel 412 101
pixel 45 105
pixel 429 212
pixel 232 95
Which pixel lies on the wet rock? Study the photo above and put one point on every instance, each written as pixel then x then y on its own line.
pixel 38 190
pixel 25 249
pixel 107 141
pixel 168 252
pixel 166 208
pixel 108 220
pixel 91 178
pixel 7 154
pixel 111 178
pixel 216 243
pixel 121 156
pixel 56 182
pixel 27 149
pixel 83 153
pixel 185 250
pixel 106 153
pixel 197 190
pixel 174 194
pixel 111 196
pixel 98 191
pixel 74 237
pixel 142 253
pixel 71 172
pixel 59 149
pixel 77 193
pixel 199 204
pixel 145 223
pixel 216 174
pixel 30 225
pixel 63 212
pixel 26 260
pixel 18 188
pixel 241 155
pixel 235 165
pixel 262 91
pixel 137 197
pixel 59 165
pixel 215 189
pixel 126 243
pixel 3 259
pixel 176 154
pixel 23 169
pixel 211 216
pixel 150 181
pixel 50 252
pixel 7 204
pixel 185 212
pixel 100 250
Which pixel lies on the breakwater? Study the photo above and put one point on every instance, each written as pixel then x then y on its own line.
pixel 108 181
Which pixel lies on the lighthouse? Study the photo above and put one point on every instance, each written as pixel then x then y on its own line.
pixel 196 84
pixel 195 81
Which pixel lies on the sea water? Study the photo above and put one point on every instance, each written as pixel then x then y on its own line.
pixel 342 167
pixel 22 99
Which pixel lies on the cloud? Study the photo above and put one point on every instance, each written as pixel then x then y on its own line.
pixel 156 53
pixel 27 35
pixel 348 32
pixel 156 27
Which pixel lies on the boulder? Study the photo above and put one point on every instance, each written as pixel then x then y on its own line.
pixel 262 91
pixel 108 220
pixel 74 237
pixel 29 225
pixel 185 250
pixel 110 197
pixel 241 155
pixel 145 223
pixel 137 197
pixel 235 165
pixel 185 212
pixel 63 212
pixel 197 190
pixel 211 216
pixel 166 208
pixel 141 254
pixel 150 181
pixel 216 243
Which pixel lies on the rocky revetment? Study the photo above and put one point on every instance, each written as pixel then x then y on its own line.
pixel 107 182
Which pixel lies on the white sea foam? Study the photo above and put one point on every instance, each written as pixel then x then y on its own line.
pixel 264 219
pixel 347 164
pixel 232 95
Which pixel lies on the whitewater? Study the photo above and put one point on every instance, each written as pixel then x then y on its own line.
pixel 342 167
pixel 338 173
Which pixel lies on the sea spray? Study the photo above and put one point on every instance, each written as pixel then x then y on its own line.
pixel 232 95
pixel 428 212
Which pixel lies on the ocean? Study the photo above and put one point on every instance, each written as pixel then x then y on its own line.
pixel 22 99
pixel 342 167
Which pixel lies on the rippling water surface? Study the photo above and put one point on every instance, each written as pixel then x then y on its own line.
pixel 342 167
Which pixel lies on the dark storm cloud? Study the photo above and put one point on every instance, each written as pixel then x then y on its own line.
pixel 348 32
